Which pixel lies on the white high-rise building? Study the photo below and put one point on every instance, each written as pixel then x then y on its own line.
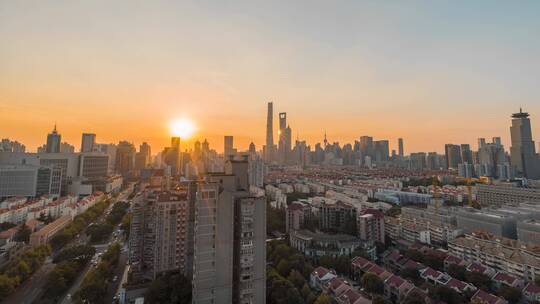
pixel 230 240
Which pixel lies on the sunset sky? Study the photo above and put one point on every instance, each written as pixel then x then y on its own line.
pixel 432 72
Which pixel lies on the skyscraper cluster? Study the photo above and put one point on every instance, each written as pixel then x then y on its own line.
pixel 282 153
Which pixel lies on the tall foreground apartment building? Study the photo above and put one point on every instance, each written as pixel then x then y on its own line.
pixel 161 237
pixel 229 264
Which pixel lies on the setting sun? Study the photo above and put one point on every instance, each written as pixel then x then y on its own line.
pixel 183 128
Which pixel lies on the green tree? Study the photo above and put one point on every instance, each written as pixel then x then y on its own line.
pixel 170 288
pixel 479 280
pixel 283 291
pixel 414 297
pixel 378 300
pixel 442 293
pixel 23 234
pixel 323 299
pixel 7 286
pixel 372 284
pixel 414 255
pixel 393 212
pixel 434 262
pixel 511 294
pixel 306 291
pixel 411 274
pixel 297 279
pixel 311 298
pixel 275 220
pixel 284 267
pixel 99 233
pixel 6 225
pixel 81 253
pixel 327 261
pixel 126 224
pixel 457 271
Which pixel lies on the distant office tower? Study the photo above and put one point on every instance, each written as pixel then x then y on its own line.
pixel 481 143
pixel 366 146
pixel 434 161
pixel 523 152
pixel 465 170
pixel 269 148
pixel 228 145
pixel 146 150
pixel 453 156
pixel 197 152
pixel 175 143
pixel 7 145
pixel 466 154
pixel 382 150
pixel 282 121
pixel 302 154
pixel 29 181
pixel 497 141
pixel 88 142
pixel 93 165
pixel 172 156
pixel 53 141
pixel 66 148
pixel 252 150
pixel 110 150
pixel 205 147
pixel 418 161
pixel 125 158
pixel 400 148
pixel 490 157
pixel 230 240
pixel 285 139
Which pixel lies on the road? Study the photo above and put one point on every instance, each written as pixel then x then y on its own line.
pixel 67 298
pixel 31 289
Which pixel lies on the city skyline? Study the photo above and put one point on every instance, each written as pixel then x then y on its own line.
pixel 242 143
pixel 377 71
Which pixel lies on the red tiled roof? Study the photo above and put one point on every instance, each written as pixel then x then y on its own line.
pixel 320 272
pixel 394 256
pixel 430 272
pixel 505 277
pixel 359 262
pixel 486 297
pixel 532 288
pixel 412 264
pixel 453 259
pixel 395 281
pixel 375 212
pixel 477 267
pixel 375 269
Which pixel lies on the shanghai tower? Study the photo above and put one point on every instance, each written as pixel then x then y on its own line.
pixel 269 148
